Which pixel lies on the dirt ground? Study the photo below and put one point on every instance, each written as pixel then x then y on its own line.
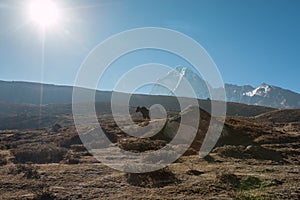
pixel 253 160
pixel 194 179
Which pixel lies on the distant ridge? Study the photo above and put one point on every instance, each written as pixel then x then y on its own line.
pixel 39 93
pixel 19 97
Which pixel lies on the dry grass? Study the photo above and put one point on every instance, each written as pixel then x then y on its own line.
pixel 62 168
pixel 158 178
pixel 140 145
pixel 96 181
pixel 39 153
pixel 3 160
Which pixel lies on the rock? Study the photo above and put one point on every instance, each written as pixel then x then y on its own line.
pixel 56 127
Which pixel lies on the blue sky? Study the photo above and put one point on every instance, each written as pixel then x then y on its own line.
pixel 251 41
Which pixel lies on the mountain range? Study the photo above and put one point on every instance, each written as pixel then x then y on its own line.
pixel 17 92
pixel 263 95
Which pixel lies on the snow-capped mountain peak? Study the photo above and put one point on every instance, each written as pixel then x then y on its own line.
pixel 174 80
pixel 261 90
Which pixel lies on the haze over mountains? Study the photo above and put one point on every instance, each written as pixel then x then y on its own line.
pixel 264 95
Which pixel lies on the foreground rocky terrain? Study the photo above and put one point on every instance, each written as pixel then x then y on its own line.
pixel 257 157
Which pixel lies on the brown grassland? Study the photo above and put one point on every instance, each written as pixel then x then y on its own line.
pixel 256 158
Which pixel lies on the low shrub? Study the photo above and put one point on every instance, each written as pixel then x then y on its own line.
pixel 249 182
pixel 44 193
pixel 239 183
pixel 78 148
pixel 249 152
pixel 251 195
pixel 3 160
pixel 208 158
pixel 194 172
pixel 228 180
pixel 232 151
pixel 2 147
pixel 41 153
pixel 69 139
pixel 140 144
pixel 70 158
pixel 11 145
pixel 29 171
pixel 157 178
pixel 73 161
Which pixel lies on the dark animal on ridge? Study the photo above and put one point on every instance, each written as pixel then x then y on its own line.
pixel 144 111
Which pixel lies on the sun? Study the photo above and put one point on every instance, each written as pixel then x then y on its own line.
pixel 45 13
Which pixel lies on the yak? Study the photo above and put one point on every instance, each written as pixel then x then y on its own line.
pixel 144 111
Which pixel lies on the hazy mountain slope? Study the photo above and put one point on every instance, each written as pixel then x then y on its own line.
pixel 30 93
pixel 23 99
pixel 37 93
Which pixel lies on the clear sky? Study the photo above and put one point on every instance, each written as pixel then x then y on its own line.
pixel 251 41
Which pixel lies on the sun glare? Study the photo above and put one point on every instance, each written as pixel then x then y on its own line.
pixel 44 13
